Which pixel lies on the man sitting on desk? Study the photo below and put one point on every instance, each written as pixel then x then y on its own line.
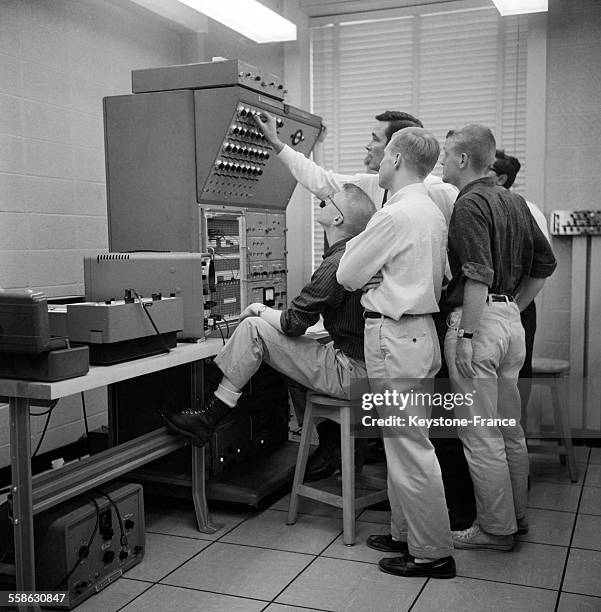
pixel 277 337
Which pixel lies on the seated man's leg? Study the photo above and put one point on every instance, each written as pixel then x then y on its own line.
pixel 254 341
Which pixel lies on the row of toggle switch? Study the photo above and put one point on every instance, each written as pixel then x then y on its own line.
pixel 232 147
pixel 222 164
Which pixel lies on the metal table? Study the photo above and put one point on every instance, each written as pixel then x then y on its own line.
pixel 32 495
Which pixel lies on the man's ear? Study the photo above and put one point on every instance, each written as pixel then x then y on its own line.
pixel 337 220
pixel 463 160
pixel 397 160
pixel 502 179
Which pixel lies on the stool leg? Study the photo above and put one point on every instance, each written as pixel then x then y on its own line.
pixel 301 462
pixel 347 444
pixel 562 422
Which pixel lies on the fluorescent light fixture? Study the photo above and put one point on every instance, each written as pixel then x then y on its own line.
pixel 248 17
pixel 519 7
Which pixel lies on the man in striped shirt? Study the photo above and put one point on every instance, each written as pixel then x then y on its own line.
pixel 277 337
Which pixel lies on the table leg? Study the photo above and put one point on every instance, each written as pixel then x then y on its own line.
pixel 203 518
pixel 22 498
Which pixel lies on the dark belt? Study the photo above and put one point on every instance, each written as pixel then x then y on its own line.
pixel 369 314
pixel 495 297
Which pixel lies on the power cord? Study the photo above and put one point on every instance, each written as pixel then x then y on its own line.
pixel 85 422
pixel 123 539
pixel 49 414
pixel 84 550
pixel 166 349
pixel 220 332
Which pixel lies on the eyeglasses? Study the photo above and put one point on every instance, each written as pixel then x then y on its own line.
pixel 323 204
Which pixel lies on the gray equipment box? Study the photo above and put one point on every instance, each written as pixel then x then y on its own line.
pixel 107 275
pixel 81 549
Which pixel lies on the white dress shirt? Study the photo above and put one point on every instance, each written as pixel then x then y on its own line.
pixel 406 241
pixel 323 183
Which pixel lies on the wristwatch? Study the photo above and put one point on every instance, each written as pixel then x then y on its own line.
pixel 461 333
pixel 261 308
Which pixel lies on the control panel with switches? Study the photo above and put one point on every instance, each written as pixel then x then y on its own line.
pixel 576 222
pixel 87 543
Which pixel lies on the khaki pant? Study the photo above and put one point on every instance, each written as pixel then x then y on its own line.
pixel 497 455
pixel 403 355
pixel 319 367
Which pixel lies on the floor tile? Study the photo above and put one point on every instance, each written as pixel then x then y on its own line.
pixel 588 532
pixel 282 608
pixel 581 453
pixel 553 471
pixel 163 598
pixel 348 586
pixel 582 572
pixel 593 476
pixel 114 596
pixel 310 534
pixel 164 554
pixel 569 602
pixel 375 516
pixel 552 496
pixel 308 506
pixel 178 518
pixel 359 551
pixel 240 570
pixel 548 527
pixel 469 595
pixel 535 565
pixel 591 501
pixel 595 456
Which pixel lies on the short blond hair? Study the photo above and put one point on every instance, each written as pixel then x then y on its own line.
pixel 419 148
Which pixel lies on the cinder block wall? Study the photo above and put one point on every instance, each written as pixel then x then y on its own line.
pixel 57 61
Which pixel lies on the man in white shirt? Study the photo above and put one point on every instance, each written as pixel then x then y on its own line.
pixel 405 242
pixel 323 183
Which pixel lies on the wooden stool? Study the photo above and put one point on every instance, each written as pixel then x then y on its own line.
pixel 548 372
pixel 320 407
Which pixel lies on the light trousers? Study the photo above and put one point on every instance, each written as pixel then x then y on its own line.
pixel 404 356
pixel 319 367
pixel 496 455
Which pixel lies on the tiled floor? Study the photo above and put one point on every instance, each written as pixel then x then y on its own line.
pixel 256 562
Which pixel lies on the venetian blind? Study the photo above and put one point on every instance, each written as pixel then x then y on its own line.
pixel 448 68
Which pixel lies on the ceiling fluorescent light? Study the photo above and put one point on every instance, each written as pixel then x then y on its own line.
pixel 519 7
pixel 248 17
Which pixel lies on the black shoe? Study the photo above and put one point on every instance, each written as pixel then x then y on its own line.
pixel 198 425
pixel 385 543
pixel 383 506
pixel 321 464
pixel 407 567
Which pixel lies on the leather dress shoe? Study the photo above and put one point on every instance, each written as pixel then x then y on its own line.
pixel 198 425
pixel 407 567
pixel 385 543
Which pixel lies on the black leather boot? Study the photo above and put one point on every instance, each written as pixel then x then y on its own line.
pixel 199 425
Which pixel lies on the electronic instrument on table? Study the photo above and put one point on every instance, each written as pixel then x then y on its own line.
pixel 27 348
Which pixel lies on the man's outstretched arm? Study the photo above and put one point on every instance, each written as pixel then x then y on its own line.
pixel 317 180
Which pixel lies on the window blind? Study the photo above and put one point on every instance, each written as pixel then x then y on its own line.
pixel 449 68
